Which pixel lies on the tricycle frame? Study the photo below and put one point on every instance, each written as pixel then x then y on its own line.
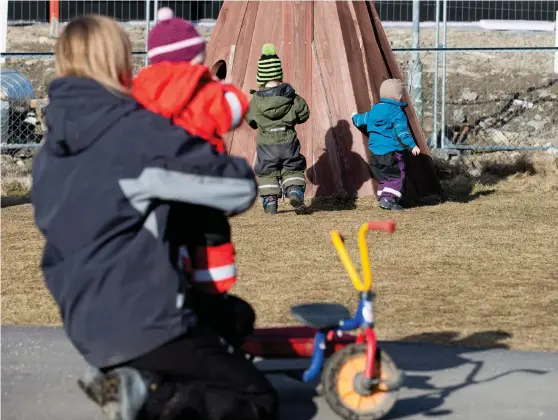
pixel 319 343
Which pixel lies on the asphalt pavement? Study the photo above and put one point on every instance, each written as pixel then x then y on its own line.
pixel 40 369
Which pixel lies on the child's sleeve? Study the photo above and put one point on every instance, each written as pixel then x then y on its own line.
pixel 183 168
pixel 359 120
pixel 235 104
pixel 301 109
pixel 402 130
pixel 250 117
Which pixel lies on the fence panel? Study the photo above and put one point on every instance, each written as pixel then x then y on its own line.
pixel 491 95
pixel 501 100
pixel 526 10
pixel 121 10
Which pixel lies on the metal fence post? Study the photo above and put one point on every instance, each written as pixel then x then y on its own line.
pixel 414 78
pixel 54 17
pixel 436 66
pixel 556 45
pixel 147 21
pixel 3 29
pixel 155 8
pixel 444 74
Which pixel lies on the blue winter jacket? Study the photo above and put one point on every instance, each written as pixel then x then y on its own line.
pixel 386 125
pixel 105 186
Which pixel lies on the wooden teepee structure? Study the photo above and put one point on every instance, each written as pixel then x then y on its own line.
pixel 336 55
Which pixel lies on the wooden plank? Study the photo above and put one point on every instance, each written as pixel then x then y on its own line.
pixel 238 72
pixel 244 139
pixel 226 32
pixel 372 56
pixel 297 61
pixel 324 169
pixel 341 98
pixel 355 63
pixel 355 12
pixel 219 46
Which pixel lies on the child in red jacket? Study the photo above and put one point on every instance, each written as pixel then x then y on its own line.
pixel 178 86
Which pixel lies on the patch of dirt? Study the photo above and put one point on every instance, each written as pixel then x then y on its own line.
pixel 485 265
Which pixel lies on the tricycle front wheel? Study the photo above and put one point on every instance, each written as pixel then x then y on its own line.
pixel 340 387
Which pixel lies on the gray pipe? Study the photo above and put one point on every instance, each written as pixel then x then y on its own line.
pixel 444 73
pixel 155 9
pixel 414 78
pixel 147 20
pixel 436 65
pixel 499 148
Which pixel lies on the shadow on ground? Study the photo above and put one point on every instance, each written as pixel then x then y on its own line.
pixel 339 168
pixel 431 403
pixel 15 200
pixel 460 179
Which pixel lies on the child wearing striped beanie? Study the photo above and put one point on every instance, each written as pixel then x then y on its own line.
pixel 178 86
pixel 275 110
pixel 269 66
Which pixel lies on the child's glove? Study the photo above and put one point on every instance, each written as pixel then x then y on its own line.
pixel 415 151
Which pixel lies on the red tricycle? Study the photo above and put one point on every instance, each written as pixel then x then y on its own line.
pixel 358 379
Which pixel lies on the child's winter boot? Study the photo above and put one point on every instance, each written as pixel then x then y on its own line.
pixel 269 203
pixel 389 204
pixel 295 194
pixel 121 393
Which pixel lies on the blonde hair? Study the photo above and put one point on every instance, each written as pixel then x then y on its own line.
pixel 97 48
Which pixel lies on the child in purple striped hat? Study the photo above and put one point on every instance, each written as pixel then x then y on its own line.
pixel 178 86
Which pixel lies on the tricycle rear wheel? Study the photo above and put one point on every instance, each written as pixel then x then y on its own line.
pixel 338 380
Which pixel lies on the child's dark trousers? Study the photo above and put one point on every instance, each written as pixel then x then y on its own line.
pixel 389 172
pixel 200 379
pixel 279 161
pixel 227 315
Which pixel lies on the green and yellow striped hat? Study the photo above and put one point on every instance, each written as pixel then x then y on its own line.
pixel 269 65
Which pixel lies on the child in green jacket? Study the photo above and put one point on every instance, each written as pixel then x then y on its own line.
pixel 275 110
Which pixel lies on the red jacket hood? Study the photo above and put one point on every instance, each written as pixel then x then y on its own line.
pixel 167 88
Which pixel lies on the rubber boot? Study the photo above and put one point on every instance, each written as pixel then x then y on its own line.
pixel 295 194
pixel 269 203
pixel 389 204
pixel 121 393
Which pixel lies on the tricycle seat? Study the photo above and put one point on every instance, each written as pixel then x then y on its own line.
pixel 320 315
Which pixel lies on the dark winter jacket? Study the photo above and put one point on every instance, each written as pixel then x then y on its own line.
pixel 275 112
pixel 387 127
pixel 105 184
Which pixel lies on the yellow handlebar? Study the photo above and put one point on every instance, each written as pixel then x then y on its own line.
pixel 338 243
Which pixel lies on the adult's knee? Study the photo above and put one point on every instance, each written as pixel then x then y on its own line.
pixel 267 404
pixel 245 315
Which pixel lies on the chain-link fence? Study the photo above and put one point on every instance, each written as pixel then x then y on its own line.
pixel 510 105
pixel 29 11
pixel 482 90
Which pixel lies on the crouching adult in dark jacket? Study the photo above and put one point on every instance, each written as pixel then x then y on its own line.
pixel 105 183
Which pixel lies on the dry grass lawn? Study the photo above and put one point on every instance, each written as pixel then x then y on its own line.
pixel 476 272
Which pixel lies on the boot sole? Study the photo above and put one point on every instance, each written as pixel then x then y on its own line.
pixel 296 201
pixel 107 398
pixel 270 211
pixel 392 208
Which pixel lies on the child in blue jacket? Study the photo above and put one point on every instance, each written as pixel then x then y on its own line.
pixel 388 137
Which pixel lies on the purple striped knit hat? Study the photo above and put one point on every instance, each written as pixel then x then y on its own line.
pixel 174 39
